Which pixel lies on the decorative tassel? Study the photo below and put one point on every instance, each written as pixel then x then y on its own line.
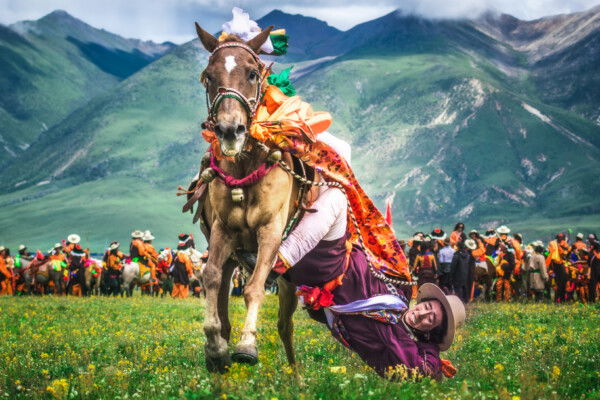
pixel 282 81
pixel 280 42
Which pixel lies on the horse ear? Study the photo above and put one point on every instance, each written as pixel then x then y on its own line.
pixel 208 41
pixel 259 39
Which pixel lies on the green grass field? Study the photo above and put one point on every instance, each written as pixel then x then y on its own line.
pixel 153 348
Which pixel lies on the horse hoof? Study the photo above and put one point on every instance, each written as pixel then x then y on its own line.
pixel 245 355
pixel 218 364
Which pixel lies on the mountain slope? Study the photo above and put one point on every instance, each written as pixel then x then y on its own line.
pixel 563 52
pixel 54 65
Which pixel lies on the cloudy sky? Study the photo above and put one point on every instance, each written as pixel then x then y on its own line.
pixel 162 20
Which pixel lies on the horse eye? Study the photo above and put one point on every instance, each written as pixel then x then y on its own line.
pixel 206 78
pixel 253 75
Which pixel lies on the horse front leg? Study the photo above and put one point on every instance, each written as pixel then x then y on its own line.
pixel 223 301
pixel 269 240
pixel 215 350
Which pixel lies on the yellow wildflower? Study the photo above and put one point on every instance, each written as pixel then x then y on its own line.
pixel 338 370
pixel 555 371
pixel 499 367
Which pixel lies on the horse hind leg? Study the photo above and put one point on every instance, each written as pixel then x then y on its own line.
pixel 288 302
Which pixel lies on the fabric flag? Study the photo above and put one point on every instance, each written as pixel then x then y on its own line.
pixel 388 209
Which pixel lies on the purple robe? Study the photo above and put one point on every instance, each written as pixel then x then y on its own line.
pixel 381 345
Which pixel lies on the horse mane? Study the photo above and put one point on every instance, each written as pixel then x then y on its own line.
pixel 230 37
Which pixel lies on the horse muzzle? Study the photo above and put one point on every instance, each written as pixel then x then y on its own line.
pixel 231 137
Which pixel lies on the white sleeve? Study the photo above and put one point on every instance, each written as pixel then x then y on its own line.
pixel 328 223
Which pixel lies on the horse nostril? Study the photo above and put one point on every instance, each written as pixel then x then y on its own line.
pixel 226 131
pixel 241 129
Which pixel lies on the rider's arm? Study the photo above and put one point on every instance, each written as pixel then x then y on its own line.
pixel 328 223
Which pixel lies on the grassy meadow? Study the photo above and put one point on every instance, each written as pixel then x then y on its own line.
pixel 65 348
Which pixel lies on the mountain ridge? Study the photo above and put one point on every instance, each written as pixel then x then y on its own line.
pixel 456 134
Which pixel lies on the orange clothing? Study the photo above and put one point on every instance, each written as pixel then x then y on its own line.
pixel 479 253
pixel 138 246
pixel 557 252
pixel 151 253
pixel 60 256
pixel 4 268
pixel 518 255
pixel 579 244
pixel 114 261
pixel 180 291
pixel 68 248
pixel 455 237
pixel 185 260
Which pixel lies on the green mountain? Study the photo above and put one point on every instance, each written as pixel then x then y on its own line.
pixel 54 65
pixel 446 115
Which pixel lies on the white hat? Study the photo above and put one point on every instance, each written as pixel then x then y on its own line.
pixel 538 243
pixel 579 235
pixel 57 246
pixel 137 234
pixel 2 248
pixel 503 230
pixel 470 243
pixel 22 247
pixel 114 246
pixel 147 236
pixel 73 238
pixel 453 308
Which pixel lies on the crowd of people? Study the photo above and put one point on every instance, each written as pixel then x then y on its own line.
pixel 498 265
pixel 70 269
pixel 493 265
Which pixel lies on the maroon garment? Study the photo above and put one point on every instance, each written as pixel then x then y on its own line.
pixel 380 345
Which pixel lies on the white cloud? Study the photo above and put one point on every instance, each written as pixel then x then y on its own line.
pixel 161 20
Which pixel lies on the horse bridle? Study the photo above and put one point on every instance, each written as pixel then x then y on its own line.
pixel 250 105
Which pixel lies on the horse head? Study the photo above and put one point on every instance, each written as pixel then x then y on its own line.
pixel 233 83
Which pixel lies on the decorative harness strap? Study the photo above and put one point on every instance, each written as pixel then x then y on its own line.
pixel 250 105
pixel 246 181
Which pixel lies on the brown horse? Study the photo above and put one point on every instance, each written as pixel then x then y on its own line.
pixel 233 79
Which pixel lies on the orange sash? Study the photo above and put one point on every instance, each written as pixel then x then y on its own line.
pixel 291 125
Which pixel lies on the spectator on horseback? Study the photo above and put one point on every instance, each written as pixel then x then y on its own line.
pixel 114 259
pixel 72 240
pixel 445 256
pixel 151 254
pixel 24 254
pixel 77 283
pixel 138 254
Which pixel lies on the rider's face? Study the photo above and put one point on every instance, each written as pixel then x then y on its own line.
pixel 425 316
